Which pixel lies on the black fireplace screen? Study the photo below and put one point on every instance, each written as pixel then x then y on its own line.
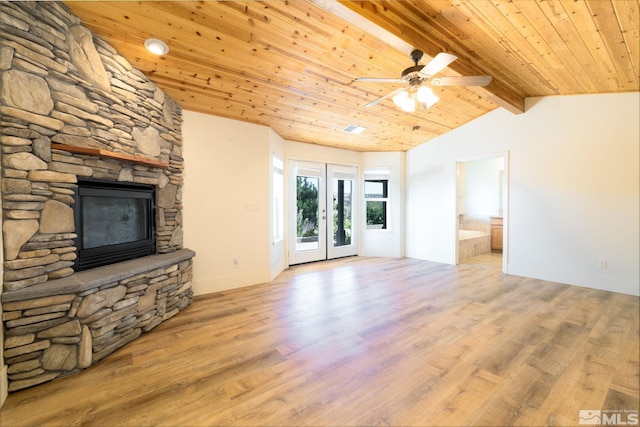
pixel 114 222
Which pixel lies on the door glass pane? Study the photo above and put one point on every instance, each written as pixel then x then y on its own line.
pixel 307 213
pixel 342 210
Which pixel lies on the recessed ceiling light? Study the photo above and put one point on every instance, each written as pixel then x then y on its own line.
pixel 157 47
pixel 354 130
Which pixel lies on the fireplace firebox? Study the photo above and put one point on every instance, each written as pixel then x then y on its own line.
pixel 114 222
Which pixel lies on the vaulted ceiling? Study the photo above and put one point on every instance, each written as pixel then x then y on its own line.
pixel 292 65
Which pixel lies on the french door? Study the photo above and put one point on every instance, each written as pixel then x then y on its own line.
pixel 322 211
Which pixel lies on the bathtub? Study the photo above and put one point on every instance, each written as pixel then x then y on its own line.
pixel 472 243
pixel 470 234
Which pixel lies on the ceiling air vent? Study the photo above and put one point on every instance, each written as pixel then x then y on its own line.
pixel 353 129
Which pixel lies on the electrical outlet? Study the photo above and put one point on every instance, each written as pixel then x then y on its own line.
pixel 602 264
pixel 236 262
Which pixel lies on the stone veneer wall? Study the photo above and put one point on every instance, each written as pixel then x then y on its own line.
pixel 61 84
pixel 84 318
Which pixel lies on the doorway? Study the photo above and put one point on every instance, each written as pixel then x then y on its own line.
pixel 322 207
pixel 481 210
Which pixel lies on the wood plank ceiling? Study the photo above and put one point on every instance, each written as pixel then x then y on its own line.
pixel 291 64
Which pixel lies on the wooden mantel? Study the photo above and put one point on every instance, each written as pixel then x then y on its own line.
pixel 112 154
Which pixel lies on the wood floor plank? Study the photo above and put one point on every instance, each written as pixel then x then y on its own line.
pixel 361 342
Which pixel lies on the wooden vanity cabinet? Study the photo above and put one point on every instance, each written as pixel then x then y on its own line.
pixel 496 234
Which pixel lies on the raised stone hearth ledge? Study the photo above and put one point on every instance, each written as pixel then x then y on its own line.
pixel 69 324
pixel 98 277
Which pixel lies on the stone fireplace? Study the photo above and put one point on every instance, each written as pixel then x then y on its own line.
pixel 72 109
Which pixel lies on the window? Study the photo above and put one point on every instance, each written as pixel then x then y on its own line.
pixel 376 195
pixel 278 200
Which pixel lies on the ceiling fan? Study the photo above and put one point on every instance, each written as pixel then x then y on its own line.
pixel 418 94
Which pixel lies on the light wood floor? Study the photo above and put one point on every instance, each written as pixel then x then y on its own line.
pixel 491 260
pixel 363 341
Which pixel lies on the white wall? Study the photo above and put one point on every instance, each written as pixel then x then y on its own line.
pixel 228 192
pixel 318 153
pixel 226 201
pixel 389 242
pixel 482 186
pixel 573 189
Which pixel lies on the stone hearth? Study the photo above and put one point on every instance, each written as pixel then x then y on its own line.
pixel 70 107
pixel 71 323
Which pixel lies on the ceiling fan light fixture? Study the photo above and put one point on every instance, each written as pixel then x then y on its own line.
pixel 156 46
pixel 409 106
pixel 417 95
pixel 425 96
pixel 405 102
pixel 409 100
pixel 432 100
pixel 400 97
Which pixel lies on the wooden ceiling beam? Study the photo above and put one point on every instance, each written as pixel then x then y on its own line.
pixel 390 17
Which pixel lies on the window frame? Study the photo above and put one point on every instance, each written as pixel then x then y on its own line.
pixel 277 200
pixel 384 180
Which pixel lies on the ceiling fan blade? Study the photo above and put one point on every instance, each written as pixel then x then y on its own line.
pixel 378 80
pixel 382 98
pixel 437 64
pixel 461 81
